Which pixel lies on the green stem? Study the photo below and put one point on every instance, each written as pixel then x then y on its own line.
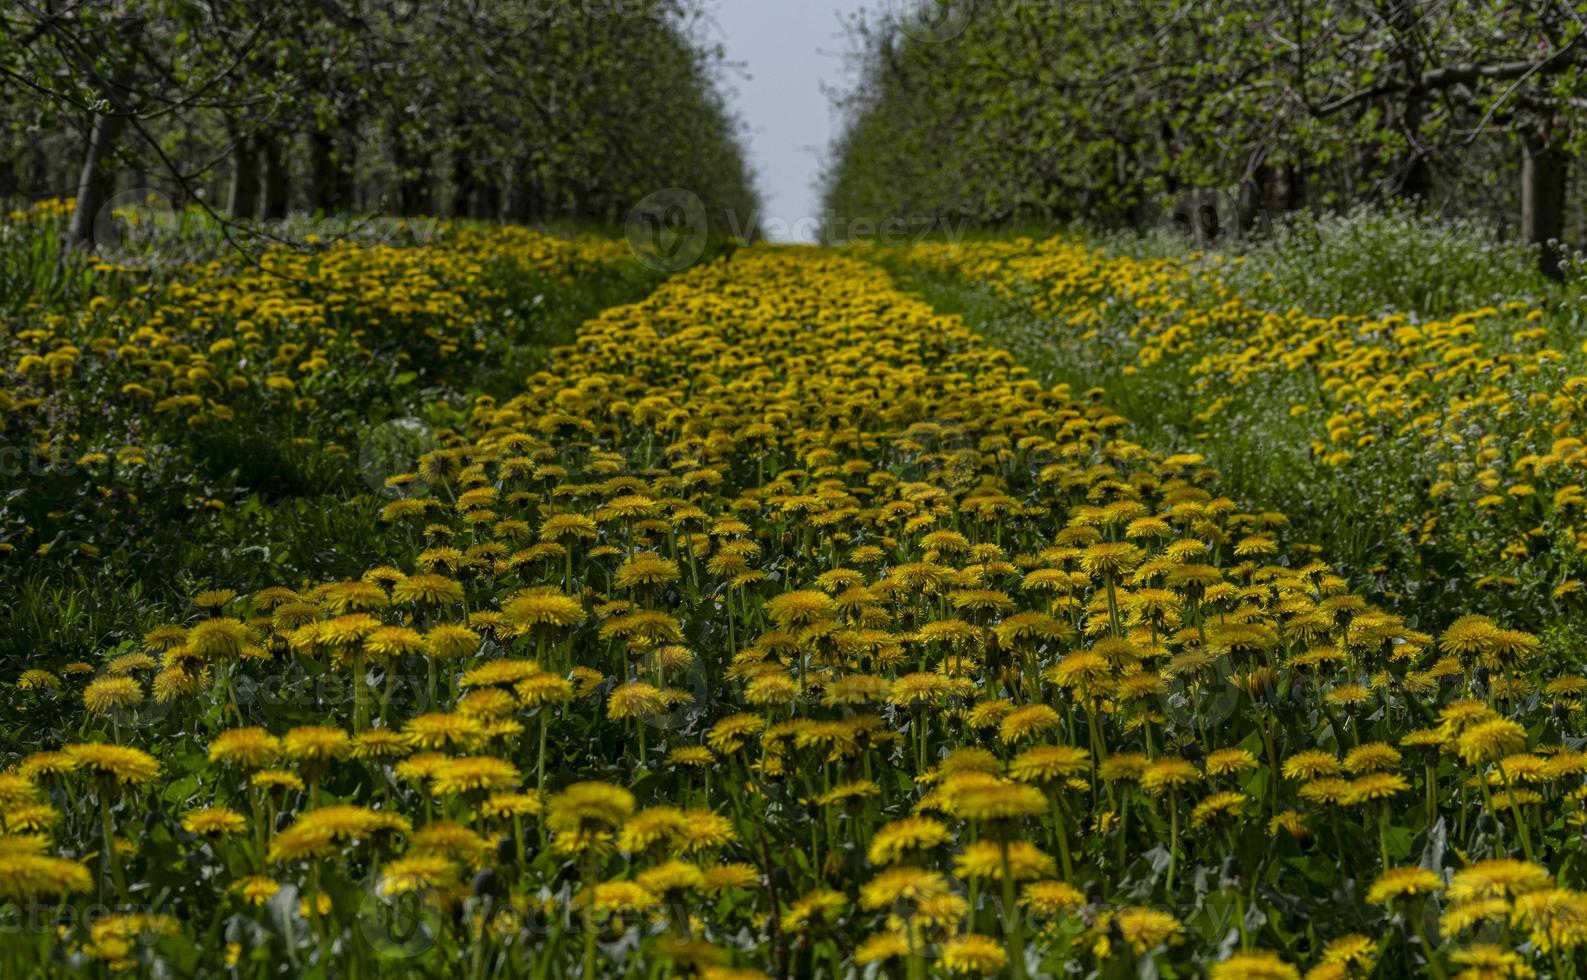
pixel 360 694
pixel 1064 859
pixel 1383 834
pixel 1515 811
pixel 1173 839
pixel 540 760
pixel 1011 924
pixel 589 916
pixel 111 857
pixel 1427 947
pixel 1124 823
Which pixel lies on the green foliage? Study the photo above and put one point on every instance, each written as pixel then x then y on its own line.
pixel 521 109
pixel 1009 112
pixel 1401 518
pixel 1372 260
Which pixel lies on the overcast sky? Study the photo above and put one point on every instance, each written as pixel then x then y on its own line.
pixel 786 50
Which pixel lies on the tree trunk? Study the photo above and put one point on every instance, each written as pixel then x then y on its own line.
pixel 526 201
pixel 276 173
pixel 347 165
pixel 1544 168
pixel 94 180
pixel 1277 190
pixel 413 183
pixel 321 185
pixel 1414 182
pixel 487 202
pixel 243 201
pixel 330 162
pixel 464 184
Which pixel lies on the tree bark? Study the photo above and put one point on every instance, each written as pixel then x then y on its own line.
pixel 516 210
pixel 1544 168
pixel 95 178
pixel 487 202
pixel 526 199
pixel 331 166
pixel 413 178
pixel 273 207
pixel 1414 180
pixel 321 184
pixel 243 201
pixel 464 184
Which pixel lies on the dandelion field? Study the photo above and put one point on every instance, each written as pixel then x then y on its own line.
pixel 1431 451
pixel 773 625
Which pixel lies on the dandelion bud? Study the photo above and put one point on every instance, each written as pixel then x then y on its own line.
pixel 487 884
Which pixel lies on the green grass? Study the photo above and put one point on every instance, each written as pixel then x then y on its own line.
pixel 1265 462
pixel 293 501
pixel 1371 261
pixel 1358 516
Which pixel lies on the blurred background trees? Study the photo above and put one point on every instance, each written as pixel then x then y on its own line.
pixel 522 110
pixel 1121 114
pixel 1002 112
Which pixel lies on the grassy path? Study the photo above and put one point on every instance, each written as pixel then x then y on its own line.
pixel 1267 465
pixel 1431 459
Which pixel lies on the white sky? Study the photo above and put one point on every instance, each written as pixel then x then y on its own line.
pixel 785 50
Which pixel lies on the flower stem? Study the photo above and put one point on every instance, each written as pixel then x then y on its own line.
pixel 111 857
pixel 1515 811
pixel 589 916
pixel 1427 947
pixel 1011 925
pixel 360 694
pixel 1383 834
pixel 1173 838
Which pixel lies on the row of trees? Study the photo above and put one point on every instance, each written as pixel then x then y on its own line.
pixel 523 110
pixel 1002 111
